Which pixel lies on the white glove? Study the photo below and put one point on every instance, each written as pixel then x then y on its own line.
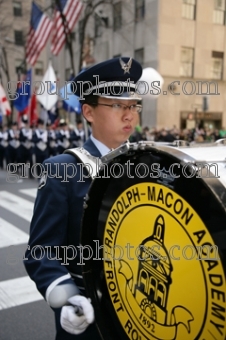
pixel 72 322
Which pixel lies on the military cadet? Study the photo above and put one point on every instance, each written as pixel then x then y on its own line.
pixel 58 208
pixel 77 135
pixel 3 146
pixel 40 139
pixel 63 137
pixel 52 143
pixel 26 144
pixel 1 149
pixel 13 143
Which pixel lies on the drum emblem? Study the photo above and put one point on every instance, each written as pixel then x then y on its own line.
pixel 163 280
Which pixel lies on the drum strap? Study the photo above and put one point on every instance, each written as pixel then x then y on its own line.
pixel 91 163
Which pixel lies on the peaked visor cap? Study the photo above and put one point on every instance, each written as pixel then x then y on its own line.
pixel 113 78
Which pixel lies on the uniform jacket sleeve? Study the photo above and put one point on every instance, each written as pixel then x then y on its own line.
pixel 58 207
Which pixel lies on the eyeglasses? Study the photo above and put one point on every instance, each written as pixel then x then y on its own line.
pixel 118 107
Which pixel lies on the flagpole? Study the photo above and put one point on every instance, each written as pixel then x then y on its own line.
pixel 31 80
pixel 68 40
pixel 18 80
pixel 47 97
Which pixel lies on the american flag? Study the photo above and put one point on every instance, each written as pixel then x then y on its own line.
pixel 40 29
pixel 71 10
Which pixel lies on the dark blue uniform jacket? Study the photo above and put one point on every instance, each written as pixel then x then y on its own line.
pixel 56 221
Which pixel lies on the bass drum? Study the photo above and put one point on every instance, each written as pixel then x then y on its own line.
pixel 154 237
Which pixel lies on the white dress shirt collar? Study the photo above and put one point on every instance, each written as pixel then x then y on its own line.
pixel 100 146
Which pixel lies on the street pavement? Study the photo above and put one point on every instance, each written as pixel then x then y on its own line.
pixel 24 314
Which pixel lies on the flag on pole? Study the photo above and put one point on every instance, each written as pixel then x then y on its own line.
pixel 21 103
pixel 70 100
pixel 4 103
pixel 70 10
pixel 47 93
pixel 40 29
pixel 33 110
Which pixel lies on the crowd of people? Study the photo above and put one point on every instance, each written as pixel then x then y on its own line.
pixel 25 144
pixel 197 134
pixel 31 145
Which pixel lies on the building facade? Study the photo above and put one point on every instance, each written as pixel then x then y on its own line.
pixel 184 40
pixel 14 28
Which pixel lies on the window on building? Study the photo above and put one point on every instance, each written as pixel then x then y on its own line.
pixel 80 30
pixel 139 56
pixel 139 10
pixel 188 9
pixel 97 25
pixel 19 66
pixel 117 16
pixel 18 38
pixel 39 68
pixel 17 9
pixel 219 12
pixel 100 21
pixel 72 36
pixel 187 62
pixel 71 39
pixel 217 65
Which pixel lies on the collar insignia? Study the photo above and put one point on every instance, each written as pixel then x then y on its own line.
pixel 126 67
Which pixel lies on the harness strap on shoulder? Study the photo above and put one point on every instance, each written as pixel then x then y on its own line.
pixel 91 163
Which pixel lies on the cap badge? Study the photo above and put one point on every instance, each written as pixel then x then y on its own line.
pixel 126 67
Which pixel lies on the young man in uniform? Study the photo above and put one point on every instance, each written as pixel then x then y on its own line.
pixel 112 106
